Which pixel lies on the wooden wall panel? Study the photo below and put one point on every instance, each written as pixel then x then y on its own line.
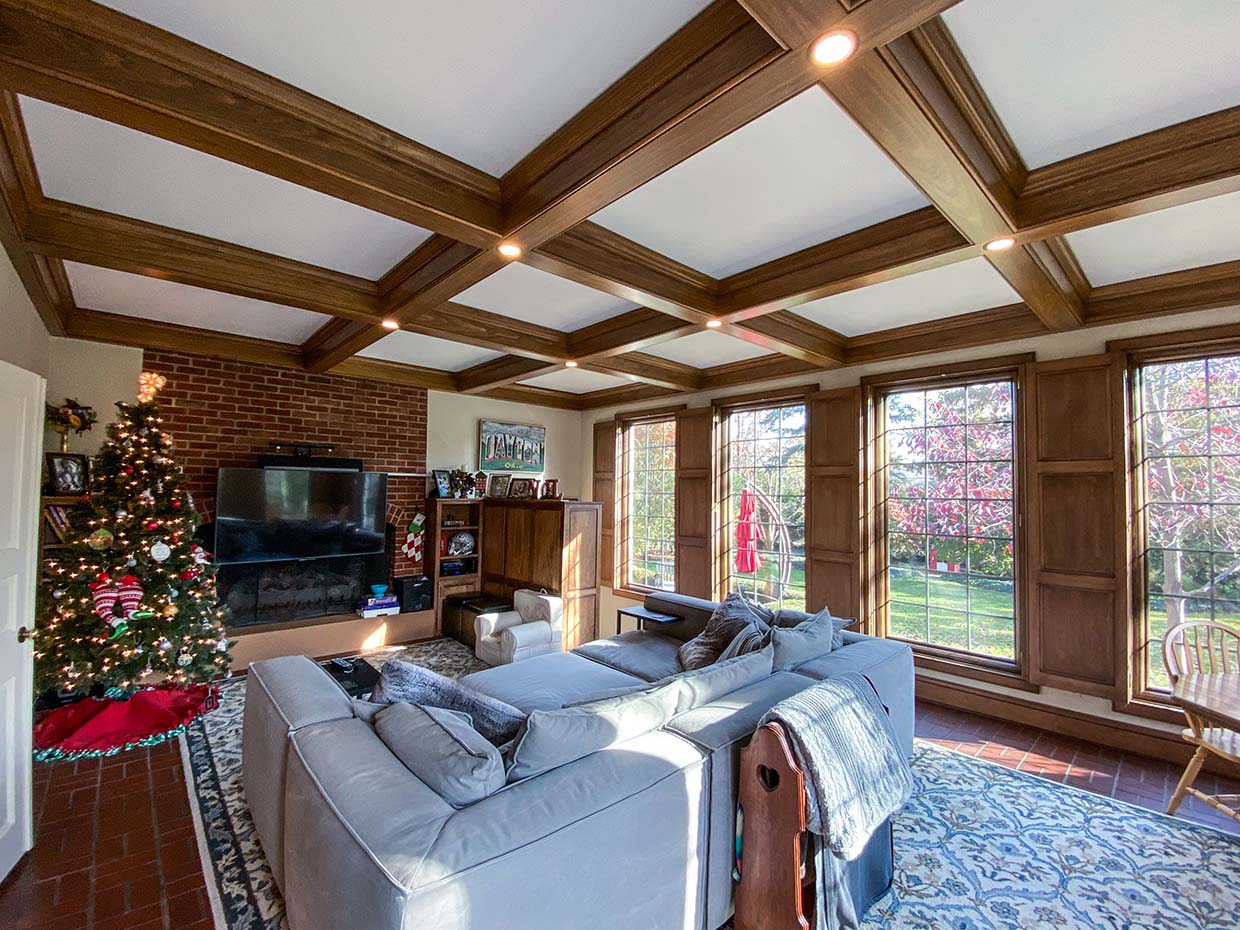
pixel 833 502
pixel 695 502
pixel 1076 557
pixel 605 446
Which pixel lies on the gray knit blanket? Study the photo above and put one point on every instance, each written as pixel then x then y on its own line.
pixel 855 778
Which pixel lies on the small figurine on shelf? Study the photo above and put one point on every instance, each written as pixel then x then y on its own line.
pixel 70 415
pixel 480 484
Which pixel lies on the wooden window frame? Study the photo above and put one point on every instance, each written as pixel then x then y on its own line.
pixel 624 422
pixel 1132 355
pixel 874 389
pixel 724 407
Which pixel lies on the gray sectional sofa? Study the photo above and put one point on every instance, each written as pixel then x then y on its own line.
pixel 640 834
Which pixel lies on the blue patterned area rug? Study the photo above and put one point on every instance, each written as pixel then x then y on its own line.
pixel 980 847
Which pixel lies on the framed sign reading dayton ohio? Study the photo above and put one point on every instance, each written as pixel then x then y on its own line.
pixel 511 446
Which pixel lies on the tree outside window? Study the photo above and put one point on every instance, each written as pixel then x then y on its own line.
pixel 1189 451
pixel 765 506
pixel 950 517
pixel 650 505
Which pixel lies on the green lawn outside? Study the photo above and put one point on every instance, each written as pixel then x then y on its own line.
pixel 987 627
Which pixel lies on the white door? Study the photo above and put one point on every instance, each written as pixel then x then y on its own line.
pixel 21 434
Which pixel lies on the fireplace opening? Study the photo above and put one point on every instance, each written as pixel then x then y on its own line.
pixel 260 593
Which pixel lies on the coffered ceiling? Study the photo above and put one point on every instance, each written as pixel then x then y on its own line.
pixel 697 202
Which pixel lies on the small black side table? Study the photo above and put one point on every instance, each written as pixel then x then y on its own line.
pixel 643 616
pixel 358 681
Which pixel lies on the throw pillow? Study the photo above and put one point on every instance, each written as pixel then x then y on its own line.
pixel 729 619
pixel 808 640
pixel 551 738
pixel 752 638
pixel 403 681
pixel 703 685
pixel 794 618
pixel 444 750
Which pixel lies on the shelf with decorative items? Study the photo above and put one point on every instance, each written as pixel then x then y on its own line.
pixel 59 511
pixel 453 550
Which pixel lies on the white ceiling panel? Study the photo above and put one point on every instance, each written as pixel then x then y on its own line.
pixel 484 81
pixel 576 381
pixel 1188 236
pixel 525 293
pixel 168 302
pixel 428 351
pixel 928 295
pixel 707 349
pixel 97 164
pixel 1067 76
pixel 802 174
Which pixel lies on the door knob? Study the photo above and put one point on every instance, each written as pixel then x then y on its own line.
pixel 24 634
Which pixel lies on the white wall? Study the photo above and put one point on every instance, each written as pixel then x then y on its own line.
pixel 23 337
pixel 452 435
pixel 94 374
pixel 1060 345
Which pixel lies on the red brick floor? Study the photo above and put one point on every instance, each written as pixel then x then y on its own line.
pixel 115 846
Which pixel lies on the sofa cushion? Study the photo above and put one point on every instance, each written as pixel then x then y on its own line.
pixel 644 653
pixel 551 738
pixel 735 716
pixel 888 665
pixel 808 640
pixel 444 750
pixel 546 682
pixel 702 685
pixel 594 696
pixel 694 612
pixel 730 618
pixel 413 684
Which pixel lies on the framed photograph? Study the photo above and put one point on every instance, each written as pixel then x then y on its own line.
pixel 523 489
pixel 518 447
pixel 551 489
pixel 68 473
pixel 498 485
pixel 443 487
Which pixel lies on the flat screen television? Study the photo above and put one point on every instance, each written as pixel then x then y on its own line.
pixel 280 514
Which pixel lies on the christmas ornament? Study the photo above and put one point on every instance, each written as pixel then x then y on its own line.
pixel 58 593
pixel 104 594
pixel 151 525
pixel 201 555
pixel 130 593
pixel 122 514
pixel 120 627
pixel 160 552
pixel 148 384
pixel 128 469
pixel 176 504
pixel 171 610
pixel 131 561
pixel 100 539
pixel 221 646
pixel 184 659
pixel 191 573
pixel 164 645
pixel 173 593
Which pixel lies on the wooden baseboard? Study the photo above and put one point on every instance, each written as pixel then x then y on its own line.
pixel 1115 734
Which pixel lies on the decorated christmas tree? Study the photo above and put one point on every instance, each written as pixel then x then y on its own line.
pixel 131 599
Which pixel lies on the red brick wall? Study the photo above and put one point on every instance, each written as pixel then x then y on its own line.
pixel 222 413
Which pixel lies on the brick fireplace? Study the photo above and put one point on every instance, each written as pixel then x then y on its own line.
pixel 225 414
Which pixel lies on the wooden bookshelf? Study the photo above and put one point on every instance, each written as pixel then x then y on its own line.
pixel 465 515
pixel 56 521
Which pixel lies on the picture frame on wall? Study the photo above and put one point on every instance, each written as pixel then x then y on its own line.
pixel 511 447
pixel 523 489
pixel 68 473
pixel 443 486
pixel 497 486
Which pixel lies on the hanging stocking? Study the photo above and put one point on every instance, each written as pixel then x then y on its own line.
pixel 130 593
pixel 104 594
pixel 415 539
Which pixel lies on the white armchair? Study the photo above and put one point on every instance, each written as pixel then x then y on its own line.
pixel 534 627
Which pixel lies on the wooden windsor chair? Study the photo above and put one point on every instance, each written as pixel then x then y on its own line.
pixel 1203 662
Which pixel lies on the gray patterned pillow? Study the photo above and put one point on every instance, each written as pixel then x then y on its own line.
pixel 729 619
pixel 412 684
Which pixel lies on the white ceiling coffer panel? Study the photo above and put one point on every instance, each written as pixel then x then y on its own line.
pixel 1188 236
pixel 1067 76
pixel 428 352
pixel 168 302
pixel 800 175
pixel 534 296
pixel 484 81
pixel 577 381
pixel 916 298
pixel 97 164
pixel 707 349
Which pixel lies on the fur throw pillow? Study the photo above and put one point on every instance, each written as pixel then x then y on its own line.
pixel 730 618
pixel 496 720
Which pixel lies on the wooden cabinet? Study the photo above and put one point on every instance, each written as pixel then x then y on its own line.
pixel 446 517
pixel 546 544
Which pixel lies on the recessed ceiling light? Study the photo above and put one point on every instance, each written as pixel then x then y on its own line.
pixel 999 245
pixel 834 48
pixel 390 324
pixel 713 324
pixel 509 250
pixel 570 364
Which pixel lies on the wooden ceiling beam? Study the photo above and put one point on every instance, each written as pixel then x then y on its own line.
pixel 984 327
pixel 1159 295
pixel 95 60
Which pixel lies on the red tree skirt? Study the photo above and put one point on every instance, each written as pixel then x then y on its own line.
pixel 94 727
